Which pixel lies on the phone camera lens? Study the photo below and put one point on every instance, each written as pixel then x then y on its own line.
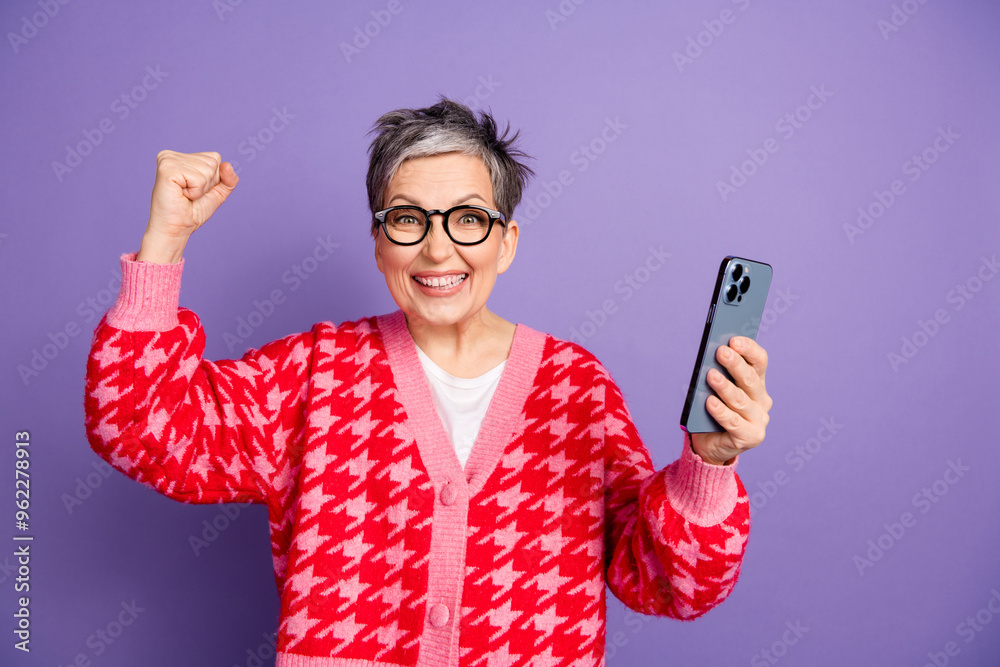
pixel 731 293
pixel 744 284
pixel 737 271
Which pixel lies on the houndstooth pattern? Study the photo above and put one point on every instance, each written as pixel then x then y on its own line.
pixel 313 426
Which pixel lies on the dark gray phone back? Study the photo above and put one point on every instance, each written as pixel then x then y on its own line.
pixel 737 306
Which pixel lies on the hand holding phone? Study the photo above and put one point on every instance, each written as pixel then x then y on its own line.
pixel 736 308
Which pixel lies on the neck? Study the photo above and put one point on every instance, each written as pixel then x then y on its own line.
pixel 468 348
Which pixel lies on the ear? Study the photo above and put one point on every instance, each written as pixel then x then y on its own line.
pixel 378 251
pixel 508 247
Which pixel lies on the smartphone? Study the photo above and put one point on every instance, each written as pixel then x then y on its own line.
pixel 737 306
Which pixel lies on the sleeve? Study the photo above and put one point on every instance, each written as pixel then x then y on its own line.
pixel 194 430
pixel 675 538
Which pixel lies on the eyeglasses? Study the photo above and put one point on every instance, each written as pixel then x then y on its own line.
pixel 465 225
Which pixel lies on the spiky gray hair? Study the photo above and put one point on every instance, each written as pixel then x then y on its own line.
pixel 445 127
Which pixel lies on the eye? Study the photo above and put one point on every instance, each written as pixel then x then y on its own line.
pixel 405 218
pixel 472 218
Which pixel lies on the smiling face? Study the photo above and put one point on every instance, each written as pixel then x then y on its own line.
pixel 438 282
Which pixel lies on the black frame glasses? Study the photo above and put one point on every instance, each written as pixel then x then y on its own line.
pixel 494 216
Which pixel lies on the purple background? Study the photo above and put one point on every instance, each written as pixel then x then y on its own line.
pixel 839 305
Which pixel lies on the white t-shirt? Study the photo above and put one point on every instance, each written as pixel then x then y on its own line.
pixel 461 402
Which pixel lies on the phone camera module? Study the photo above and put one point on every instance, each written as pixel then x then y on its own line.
pixel 737 284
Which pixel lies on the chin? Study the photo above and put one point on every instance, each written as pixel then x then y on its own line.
pixel 441 314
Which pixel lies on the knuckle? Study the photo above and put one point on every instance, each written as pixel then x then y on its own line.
pixel 739 400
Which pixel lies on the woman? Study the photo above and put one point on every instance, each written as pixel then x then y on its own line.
pixel 444 487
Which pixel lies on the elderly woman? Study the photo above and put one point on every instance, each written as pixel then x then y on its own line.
pixel 444 487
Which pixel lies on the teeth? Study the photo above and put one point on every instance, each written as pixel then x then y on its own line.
pixel 443 282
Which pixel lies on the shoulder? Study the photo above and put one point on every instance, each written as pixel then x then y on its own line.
pixel 565 356
pixel 323 336
pixel 569 369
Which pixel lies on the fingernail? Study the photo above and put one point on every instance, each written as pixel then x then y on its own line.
pixel 737 344
pixel 725 353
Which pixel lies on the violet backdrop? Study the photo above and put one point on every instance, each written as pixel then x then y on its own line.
pixel 851 145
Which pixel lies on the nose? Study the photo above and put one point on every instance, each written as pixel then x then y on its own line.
pixel 437 245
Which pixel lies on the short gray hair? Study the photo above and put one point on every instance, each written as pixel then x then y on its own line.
pixel 446 127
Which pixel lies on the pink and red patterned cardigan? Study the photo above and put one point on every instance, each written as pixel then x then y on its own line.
pixel 387 553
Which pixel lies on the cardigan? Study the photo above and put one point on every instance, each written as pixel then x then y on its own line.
pixel 386 552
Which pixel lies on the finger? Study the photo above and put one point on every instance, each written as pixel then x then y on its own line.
pixel 752 352
pixel 201 174
pixel 212 166
pixel 194 186
pixel 746 376
pixel 728 418
pixel 735 398
pixel 745 433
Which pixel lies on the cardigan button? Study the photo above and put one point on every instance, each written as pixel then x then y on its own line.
pixel 448 494
pixel 439 615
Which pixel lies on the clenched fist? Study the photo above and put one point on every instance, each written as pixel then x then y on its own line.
pixel 189 187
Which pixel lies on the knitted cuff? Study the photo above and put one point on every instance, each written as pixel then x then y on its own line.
pixel 702 493
pixel 149 296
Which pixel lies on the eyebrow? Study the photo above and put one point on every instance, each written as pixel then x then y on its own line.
pixel 461 200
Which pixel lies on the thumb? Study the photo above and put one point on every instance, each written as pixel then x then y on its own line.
pixel 227 183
